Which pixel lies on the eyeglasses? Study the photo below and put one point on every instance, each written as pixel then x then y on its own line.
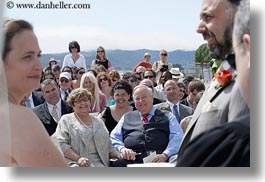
pixel 80 72
pixel 79 101
pixel 163 54
pixel 103 79
pixel 64 80
pixel 149 76
pixel 181 90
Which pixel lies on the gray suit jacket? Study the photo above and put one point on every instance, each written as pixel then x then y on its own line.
pixel 216 107
pixel 184 111
pixel 46 118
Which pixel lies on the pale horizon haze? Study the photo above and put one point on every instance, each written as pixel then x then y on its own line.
pixel 117 24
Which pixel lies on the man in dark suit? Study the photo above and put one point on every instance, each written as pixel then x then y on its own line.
pixel 172 92
pixel 53 108
pixel 222 101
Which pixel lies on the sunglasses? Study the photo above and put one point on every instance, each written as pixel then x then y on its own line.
pixel 64 80
pixel 114 80
pixel 80 72
pixel 103 79
pixel 132 81
pixel 139 78
pixel 73 48
pixel 100 51
pixel 163 54
pixel 149 76
pixel 182 91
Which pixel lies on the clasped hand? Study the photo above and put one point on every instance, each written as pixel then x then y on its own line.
pixel 84 162
pixel 127 154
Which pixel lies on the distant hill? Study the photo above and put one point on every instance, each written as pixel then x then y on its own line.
pixel 127 59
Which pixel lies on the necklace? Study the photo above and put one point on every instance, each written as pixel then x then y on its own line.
pixel 80 120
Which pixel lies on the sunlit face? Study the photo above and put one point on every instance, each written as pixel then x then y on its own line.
pixel 82 105
pixel 114 80
pixel 149 75
pixel 163 56
pixel 147 58
pixel 171 90
pixel 74 50
pixel 80 73
pixel 143 100
pixel 193 96
pixel 101 53
pixel 89 85
pixel 103 81
pixel 51 93
pixel 65 83
pixel 22 64
pixel 121 97
pixel 181 92
pixel 216 26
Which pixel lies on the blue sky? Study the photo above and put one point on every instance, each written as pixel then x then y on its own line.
pixel 115 24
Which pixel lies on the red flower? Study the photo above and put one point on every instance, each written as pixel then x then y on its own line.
pixel 223 77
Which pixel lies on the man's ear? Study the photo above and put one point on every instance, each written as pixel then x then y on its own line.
pixel 246 41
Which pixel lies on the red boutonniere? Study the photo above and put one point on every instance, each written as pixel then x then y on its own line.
pixel 222 78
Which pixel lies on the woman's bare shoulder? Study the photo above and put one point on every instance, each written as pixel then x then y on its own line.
pixel 21 114
pixel 29 140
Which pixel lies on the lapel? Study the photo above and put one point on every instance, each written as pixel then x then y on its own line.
pixel 182 112
pixel 211 94
pixel 165 106
pixel 48 119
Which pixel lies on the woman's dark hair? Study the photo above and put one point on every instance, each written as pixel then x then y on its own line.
pixel 149 69
pixel 68 68
pixel 12 28
pixel 74 44
pixel 122 84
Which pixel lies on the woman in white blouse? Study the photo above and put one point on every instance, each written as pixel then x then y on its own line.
pixel 74 58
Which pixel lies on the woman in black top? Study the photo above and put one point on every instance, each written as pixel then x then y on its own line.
pixel 121 92
pixel 101 59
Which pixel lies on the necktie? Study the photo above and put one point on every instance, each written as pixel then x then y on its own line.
pixel 55 114
pixel 176 113
pixel 145 119
pixel 66 95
